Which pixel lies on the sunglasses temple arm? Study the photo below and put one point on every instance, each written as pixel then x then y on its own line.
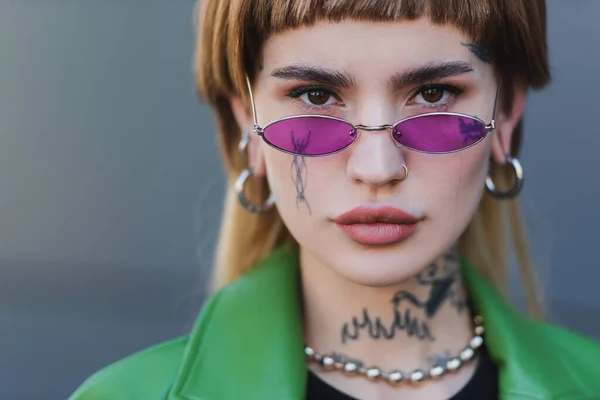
pixel 256 127
pixel 496 99
pixel 494 117
pixel 492 125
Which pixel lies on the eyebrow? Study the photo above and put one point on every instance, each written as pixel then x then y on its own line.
pixel 341 79
pixel 306 72
pixel 430 72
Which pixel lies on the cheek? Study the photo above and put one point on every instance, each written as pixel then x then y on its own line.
pixel 295 179
pixel 453 184
pixel 302 187
pixel 287 176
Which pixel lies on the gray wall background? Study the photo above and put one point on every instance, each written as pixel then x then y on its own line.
pixel 110 183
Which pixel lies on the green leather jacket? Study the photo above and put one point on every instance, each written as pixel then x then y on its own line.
pixel 247 345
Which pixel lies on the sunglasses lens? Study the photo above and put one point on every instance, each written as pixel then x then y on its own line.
pixel 310 135
pixel 439 133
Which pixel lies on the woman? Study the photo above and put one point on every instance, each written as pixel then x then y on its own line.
pixel 387 135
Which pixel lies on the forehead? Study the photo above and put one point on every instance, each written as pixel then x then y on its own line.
pixel 362 47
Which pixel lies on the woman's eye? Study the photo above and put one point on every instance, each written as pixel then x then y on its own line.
pixel 436 95
pixel 432 95
pixel 317 97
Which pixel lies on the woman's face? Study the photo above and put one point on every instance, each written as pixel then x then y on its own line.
pixel 372 74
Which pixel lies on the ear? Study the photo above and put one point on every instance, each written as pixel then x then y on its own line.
pixel 506 124
pixel 245 121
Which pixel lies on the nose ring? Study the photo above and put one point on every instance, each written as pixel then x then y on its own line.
pixel 405 174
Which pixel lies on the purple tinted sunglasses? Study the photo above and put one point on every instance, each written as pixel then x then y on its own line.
pixel 321 135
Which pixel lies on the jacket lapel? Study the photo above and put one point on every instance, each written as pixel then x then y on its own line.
pixel 530 367
pixel 247 342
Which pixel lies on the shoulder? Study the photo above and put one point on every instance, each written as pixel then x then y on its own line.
pixel 535 359
pixel 150 373
pixel 575 350
pixel 566 363
pixel 144 375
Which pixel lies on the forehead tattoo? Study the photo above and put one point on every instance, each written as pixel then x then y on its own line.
pixel 479 51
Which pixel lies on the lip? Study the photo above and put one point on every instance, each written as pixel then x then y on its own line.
pixel 377 226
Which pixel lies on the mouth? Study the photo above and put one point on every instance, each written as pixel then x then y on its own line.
pixel 377 226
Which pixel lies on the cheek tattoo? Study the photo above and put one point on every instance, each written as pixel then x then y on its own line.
pixel 441 278
pixel 479 51
pixel 299 170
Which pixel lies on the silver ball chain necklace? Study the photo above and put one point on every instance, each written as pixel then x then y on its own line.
pixel 335 362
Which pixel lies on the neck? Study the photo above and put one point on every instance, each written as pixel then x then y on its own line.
pixel 413 324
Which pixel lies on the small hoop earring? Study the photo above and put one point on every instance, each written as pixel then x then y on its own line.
pixel 514 191
pixel 405 174
pixel 239 188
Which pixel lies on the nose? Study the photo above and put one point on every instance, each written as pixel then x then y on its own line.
pixel 376 159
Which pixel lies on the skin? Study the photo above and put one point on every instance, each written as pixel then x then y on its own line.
pixel 346 284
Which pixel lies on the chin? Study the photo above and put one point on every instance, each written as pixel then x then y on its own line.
pixel 379 266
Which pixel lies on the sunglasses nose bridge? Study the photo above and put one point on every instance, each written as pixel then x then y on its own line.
pixel 386 127
pixel 368 128
pixel 393 134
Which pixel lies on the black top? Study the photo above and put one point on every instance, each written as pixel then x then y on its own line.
pixel 483 385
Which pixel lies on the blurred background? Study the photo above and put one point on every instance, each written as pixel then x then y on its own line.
pixel 110 183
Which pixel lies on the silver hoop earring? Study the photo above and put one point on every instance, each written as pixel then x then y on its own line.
pixel 241 181
pixel 239 188
pixel 518 185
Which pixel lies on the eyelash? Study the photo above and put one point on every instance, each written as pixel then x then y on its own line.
pixel 301 90
pixel 446 87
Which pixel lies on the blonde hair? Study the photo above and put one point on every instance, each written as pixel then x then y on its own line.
pixel 230 34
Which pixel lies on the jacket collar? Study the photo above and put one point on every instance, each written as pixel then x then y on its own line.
pixel 247 342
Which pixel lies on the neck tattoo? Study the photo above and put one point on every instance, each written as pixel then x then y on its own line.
pixel 442 280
